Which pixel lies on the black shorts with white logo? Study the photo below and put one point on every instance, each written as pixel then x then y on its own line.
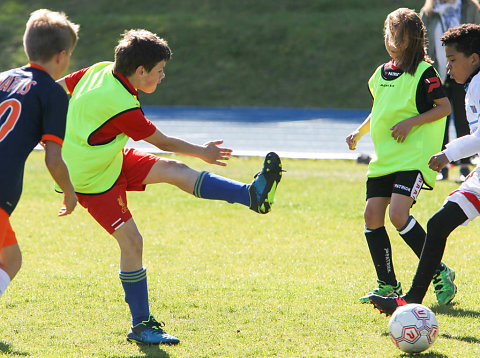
pixel 408 183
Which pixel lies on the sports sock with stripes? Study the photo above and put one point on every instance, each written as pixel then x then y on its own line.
pixel 136 294
pixel 413 234
pixel 216 187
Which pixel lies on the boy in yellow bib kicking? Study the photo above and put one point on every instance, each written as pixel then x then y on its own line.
pixel 104 112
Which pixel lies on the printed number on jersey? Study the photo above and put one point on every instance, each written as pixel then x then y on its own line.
pixel 11 109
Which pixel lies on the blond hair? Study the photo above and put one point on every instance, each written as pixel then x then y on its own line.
pixel 48 33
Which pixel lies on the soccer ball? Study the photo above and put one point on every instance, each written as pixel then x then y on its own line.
pixel 413 328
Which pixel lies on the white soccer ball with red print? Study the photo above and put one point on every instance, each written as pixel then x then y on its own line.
pixel 413 328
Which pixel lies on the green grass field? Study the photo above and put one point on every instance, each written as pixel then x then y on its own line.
pixel 226 281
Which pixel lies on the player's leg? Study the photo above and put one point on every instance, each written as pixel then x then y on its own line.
pixel 11 259
pixel 259 195
pixel 408 185
pixel 379 243
pixel 461 207
pixel 406 188
pixel 130 242
pixel 10 255
pixel 145 329
pixel 439 227
pixel 408 228
pixel 110 210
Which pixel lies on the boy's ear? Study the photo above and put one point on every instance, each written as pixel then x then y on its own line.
pixel 475 59
pixel 59 56
pixel 140 71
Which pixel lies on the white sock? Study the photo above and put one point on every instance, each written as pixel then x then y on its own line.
pixel 4 281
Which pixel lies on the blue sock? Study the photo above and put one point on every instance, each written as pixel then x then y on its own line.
pixel 136 294
pixel 215 187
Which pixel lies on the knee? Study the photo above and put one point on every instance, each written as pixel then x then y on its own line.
pixel 175 167
pixel 368 216
pixel 179 174
pixel 11 260
pixel 372 218
pixel 135 243
pixel 398 218
pixel 131 243
pixel 15 266
pixel 434 226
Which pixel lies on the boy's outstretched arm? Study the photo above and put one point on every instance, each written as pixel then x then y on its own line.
pixel 353 138
pixel 209 152
pixel 59 172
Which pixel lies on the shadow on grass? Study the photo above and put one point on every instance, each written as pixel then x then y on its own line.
pixel 451 310
pixel 429 354
pixel 6 348
pixel 466 339
pixel 150 351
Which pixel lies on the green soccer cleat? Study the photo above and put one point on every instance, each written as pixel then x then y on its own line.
pixel 262 190
pixel 383 290
pixel 445 289
pixel 150 332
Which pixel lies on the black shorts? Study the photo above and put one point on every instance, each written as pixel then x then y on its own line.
pixel 408 183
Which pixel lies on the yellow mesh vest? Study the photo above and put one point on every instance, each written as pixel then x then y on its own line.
pixel 97 98
pixel 393 102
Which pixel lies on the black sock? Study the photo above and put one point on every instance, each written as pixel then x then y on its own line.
pixel 439 227
pixel 381 252
pixel 414 235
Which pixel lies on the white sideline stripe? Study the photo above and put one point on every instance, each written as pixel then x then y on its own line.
pixel 259 153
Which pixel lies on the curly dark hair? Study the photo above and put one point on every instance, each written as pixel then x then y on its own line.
pixel 466 38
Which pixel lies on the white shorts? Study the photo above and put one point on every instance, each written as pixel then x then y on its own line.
pixel 467 196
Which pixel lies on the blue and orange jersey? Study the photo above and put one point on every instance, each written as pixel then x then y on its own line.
pixel 33 108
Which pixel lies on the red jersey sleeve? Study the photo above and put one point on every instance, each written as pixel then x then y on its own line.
pixel 135 125
pixel 72 79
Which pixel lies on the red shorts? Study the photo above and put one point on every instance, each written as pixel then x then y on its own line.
pixel 110 209
pixel 7 235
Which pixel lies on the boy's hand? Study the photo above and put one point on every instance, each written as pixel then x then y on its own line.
pixel 401 130
pixel 213 154
pixel 438 161
pixel 352 140
pixel 69 203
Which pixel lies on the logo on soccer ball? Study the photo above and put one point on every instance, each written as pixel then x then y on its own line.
pixel 420 312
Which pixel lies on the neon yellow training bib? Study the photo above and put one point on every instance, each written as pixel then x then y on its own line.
pixel 393 102
pixel 97 98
